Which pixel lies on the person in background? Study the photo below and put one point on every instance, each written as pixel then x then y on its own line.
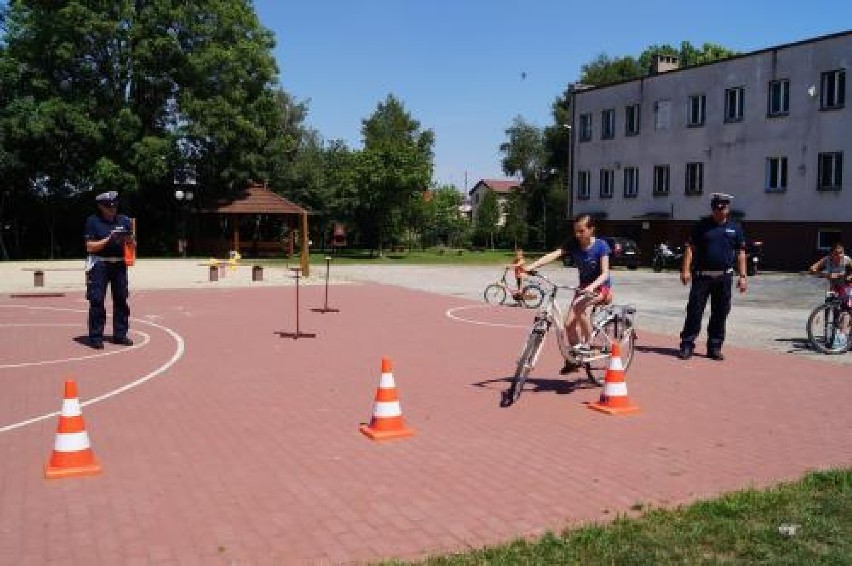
pixel 106 234
pixel 716 249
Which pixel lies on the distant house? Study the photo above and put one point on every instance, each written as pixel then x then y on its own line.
pixel 500 187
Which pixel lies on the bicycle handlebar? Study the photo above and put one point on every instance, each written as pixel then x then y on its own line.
pixel 576 289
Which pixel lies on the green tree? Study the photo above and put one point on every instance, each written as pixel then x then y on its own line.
pixel 443 222
pixel 487 216
pixel 515 230
pixel 394 165
pixel 119 94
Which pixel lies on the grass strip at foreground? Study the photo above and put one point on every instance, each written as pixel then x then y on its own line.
pixel 737 528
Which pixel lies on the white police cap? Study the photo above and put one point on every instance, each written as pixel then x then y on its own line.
pixel 109 196
pixel 721 197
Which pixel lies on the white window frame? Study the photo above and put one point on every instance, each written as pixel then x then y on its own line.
pixel 632 117
pixel 701 101
pixel 631 182
pixel 783 98
pixel 609 175
pixel 608 124
pixel 777 166
pixel 586 127
pixel 735 113
pixel 658 169
pixel 832 92
pixel 836 158
pixel 689 189
pixel 819 242
pixel 584 185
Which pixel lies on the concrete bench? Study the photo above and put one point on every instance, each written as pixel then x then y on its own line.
pixel 38 273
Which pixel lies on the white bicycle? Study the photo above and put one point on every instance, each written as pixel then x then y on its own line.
pixel 610 324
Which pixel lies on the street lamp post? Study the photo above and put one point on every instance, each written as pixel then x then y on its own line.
pixel 184 182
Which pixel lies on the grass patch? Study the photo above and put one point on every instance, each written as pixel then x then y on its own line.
pixel 738 528
pixel 449 256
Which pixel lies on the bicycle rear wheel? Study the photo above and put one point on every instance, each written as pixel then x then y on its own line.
pixel 532 296
pixel 523 368
pixel 824 329
pixel 495 294
pixel 602 340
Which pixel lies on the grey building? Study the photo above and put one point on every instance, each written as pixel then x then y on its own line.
pixel 770 127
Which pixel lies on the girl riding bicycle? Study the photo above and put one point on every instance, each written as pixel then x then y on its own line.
pixel 833 267
pixel 591 257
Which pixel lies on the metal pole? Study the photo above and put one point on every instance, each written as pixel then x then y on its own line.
pixel 298 333
pixel 325 307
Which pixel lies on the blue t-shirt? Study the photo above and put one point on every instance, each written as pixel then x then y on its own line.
pixel 588 261
pixel 716 245
pixel 98 228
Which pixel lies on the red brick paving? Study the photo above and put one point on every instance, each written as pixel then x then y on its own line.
pixel 248 449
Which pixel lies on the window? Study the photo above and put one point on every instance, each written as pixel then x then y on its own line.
pixel 734 104
pixel 607 182
pixel 833 91
pixel 608 124
pixel 827 237
pixel 631 120
pixel 662 114
pixel 584 189
pixel 694 178
pixel 830 171
pixel 776 174
pixel 661 180
pixel 585 127
pixel 697 110
pixel 631 182
pixel 779 98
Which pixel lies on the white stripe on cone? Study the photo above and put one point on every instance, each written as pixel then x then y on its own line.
pixel 71 408
pixel 615 389
pixel 615 363
pixel 386 382
pixel 71 441
pixel 387 409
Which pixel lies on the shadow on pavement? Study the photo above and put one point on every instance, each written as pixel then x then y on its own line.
pixel 659 350
pixel 563 386
pixel 797 345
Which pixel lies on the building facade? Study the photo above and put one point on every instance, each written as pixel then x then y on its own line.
pixel 501 189
pixel 770 127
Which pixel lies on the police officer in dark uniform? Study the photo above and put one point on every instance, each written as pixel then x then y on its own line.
pixel 716 247
pixel 105 234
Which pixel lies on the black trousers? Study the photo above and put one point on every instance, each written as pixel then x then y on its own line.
pixel 114 274
pixel 718 290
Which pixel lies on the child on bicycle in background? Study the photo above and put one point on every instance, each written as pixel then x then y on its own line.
pixel 833 267
pixel 845 294
pixel 517 266
pixel 591 257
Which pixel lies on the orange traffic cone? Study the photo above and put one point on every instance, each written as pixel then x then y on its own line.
pixel 72 454
pixel 614 399
pixel 387 420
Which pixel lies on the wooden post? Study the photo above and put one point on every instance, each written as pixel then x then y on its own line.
pixel 305 260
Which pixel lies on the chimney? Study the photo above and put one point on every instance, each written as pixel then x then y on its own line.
pixel 664 64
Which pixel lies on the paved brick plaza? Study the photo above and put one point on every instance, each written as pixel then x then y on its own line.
pixel 246 449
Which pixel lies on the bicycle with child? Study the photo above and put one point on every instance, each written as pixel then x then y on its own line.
pixel 529 295
pixel 610 324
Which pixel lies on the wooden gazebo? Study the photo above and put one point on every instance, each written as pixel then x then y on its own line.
pixel 255 203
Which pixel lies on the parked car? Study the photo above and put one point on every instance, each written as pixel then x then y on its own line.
pixel 625 253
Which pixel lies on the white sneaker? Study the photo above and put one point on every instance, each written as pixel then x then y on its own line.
pixel 840 342
pixel 581 349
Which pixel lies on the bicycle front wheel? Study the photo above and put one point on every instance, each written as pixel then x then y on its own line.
pixel 495 294
pixel 601 344
pixel 532 296
pixel 523 368
pixel 824 330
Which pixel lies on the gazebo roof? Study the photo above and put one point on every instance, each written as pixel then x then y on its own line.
pixel 256 199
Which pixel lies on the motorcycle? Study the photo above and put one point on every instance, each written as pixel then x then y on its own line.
pixel 754 257
pixel 664 257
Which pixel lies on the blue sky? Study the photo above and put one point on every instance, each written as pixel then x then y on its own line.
pixel 457 65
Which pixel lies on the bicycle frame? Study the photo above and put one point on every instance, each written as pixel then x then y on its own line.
pixel 550 314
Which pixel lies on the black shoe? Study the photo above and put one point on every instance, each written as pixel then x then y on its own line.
pixel 685 351
pixel 95 343
pixel 123 341
pixel 569 367
pixel 715 354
